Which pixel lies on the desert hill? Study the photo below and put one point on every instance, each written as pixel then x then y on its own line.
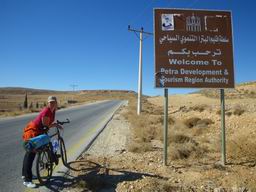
pixel 12 98
pixel 22 90
pixel 243 90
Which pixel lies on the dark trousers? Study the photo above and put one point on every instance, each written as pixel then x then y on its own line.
pixel 27 166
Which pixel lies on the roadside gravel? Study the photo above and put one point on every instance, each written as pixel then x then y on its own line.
pixel 113 139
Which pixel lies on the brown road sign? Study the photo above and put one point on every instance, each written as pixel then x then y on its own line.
pixel 193 48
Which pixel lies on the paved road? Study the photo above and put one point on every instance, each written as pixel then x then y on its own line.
pixel 85 120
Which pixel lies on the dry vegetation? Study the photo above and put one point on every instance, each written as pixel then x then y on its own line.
pixel 148 127
pixel 193 145
pixel 194 139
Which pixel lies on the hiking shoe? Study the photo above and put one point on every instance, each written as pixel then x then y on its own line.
pixel 29 184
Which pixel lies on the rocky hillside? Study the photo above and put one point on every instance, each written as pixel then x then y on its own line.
pixel 244 90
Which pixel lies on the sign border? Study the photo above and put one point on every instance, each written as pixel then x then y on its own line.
pixel 185 9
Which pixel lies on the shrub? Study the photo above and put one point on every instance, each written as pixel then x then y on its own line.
pixel 138 147
pixel 191 122
pixel 185 150
pixel 229 113
pixel 204 123
pixel 179 152
pixel 171 121
pixel 238 111
pixel 25 105
pixel 199 108
pixel 182 147
pixel 179 138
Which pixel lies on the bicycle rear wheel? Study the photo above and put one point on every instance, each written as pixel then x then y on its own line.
pixel 63 152
pixel 44 166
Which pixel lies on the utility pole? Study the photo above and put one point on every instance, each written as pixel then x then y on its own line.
pixel 141 31
pixel 73 86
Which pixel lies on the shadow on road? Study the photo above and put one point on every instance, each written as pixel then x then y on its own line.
pixel 94 177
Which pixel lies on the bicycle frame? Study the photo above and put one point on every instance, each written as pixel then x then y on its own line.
pixel 45 161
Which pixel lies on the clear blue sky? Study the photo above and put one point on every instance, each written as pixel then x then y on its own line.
pixel 51 44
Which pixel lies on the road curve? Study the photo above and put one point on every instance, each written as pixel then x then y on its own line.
pixel 85 121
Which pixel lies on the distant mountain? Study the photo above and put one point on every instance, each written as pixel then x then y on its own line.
pixel 30 91
pixel 22 90
pixel 107 91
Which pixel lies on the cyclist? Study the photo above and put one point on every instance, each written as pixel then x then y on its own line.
pixel 34 128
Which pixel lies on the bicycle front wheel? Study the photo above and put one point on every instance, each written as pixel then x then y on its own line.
pixel 44 166
pixel 63 152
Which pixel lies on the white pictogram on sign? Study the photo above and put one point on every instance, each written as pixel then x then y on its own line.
pixel 167 22
pixel 193 23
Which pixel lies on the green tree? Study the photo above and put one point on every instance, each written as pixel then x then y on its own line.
pixel 25 105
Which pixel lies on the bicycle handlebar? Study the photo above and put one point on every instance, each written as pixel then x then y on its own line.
pixel 63 122
pixel 46 129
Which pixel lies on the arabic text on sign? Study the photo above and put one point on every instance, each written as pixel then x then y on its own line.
pixel 195 53
pixel 203 39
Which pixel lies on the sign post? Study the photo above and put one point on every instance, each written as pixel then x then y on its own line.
pixel 223 131
pixel 165 125
pixel 194 49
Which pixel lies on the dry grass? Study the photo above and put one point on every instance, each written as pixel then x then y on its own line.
pixel 191 122
pixel 149 127
pixel 242 146
pixel 199 108
pixel 139 147
pixel 203 123
pixel 183 146
pixel 179 138
pixel 238 110
pixel 197 122
pixel 145 127
pixel 235 110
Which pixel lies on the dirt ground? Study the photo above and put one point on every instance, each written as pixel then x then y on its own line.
pixel 109 165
